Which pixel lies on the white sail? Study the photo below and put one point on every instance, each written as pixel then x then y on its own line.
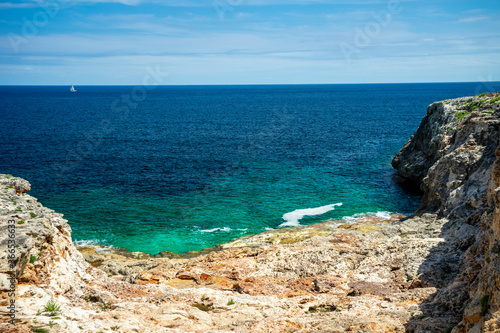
pixel 72 89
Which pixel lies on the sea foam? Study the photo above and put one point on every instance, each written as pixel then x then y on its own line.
pixel 89 242
pixel 292 218
pixel 382 215
pixel 225 229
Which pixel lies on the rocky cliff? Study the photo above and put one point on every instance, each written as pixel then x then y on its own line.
pixel 452 158
pixel 437 271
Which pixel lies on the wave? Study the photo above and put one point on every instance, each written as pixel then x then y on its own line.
pixel 292 218
pixel 382 215
pixel 97 244
pixel 225 229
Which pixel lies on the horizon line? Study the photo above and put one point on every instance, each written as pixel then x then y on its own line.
pixel 239 84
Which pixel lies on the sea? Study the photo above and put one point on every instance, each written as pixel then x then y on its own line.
pixel 183 168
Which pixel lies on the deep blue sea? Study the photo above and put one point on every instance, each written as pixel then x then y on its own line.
pixel 183 168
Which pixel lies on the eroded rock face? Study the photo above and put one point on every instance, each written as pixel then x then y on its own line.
pixel 427 273
pixel 460 178
pixel 451 155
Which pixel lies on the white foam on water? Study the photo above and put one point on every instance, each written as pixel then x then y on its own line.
pixel 225 229
pixel 88 242
pixel 383 215
pixel 292 218
pixel 97 244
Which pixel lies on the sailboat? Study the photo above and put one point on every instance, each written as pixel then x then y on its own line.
pixel 72 89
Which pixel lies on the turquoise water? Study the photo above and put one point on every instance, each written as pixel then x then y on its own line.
pixel 192 167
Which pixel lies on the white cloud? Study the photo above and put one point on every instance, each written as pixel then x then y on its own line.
pixel 471 19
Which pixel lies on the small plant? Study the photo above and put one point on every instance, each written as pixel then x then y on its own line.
pixel 18 209
pixel 20 222
pixel 52 323
pixel 421 317
pixel 495 100
pixel 412 314
pixel 484 304
pixel 323 308
pixel 32 258
pixel 10 186
pixel 80 327
pixel 35 321
pixel 33 215
pixel 231 302
pixel 203 298
pixel 17 245
pixel 460 115
pixel 481 95
pixel 52 307
pixel 104 307
pixel 115 328
pixel 39 330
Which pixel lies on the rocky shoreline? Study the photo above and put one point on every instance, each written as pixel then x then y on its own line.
pixel 436 271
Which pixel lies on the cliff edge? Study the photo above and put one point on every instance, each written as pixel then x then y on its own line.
pixel 452 158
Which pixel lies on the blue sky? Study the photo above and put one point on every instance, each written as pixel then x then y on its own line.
pixel 248 41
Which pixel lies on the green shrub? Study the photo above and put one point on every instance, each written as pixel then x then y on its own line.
pixel 484 304
pixel 231 302
pixel 52 307
pixel 32 258
pixel 460 115
pixel 39 330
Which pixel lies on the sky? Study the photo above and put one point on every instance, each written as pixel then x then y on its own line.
pixel 120 42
